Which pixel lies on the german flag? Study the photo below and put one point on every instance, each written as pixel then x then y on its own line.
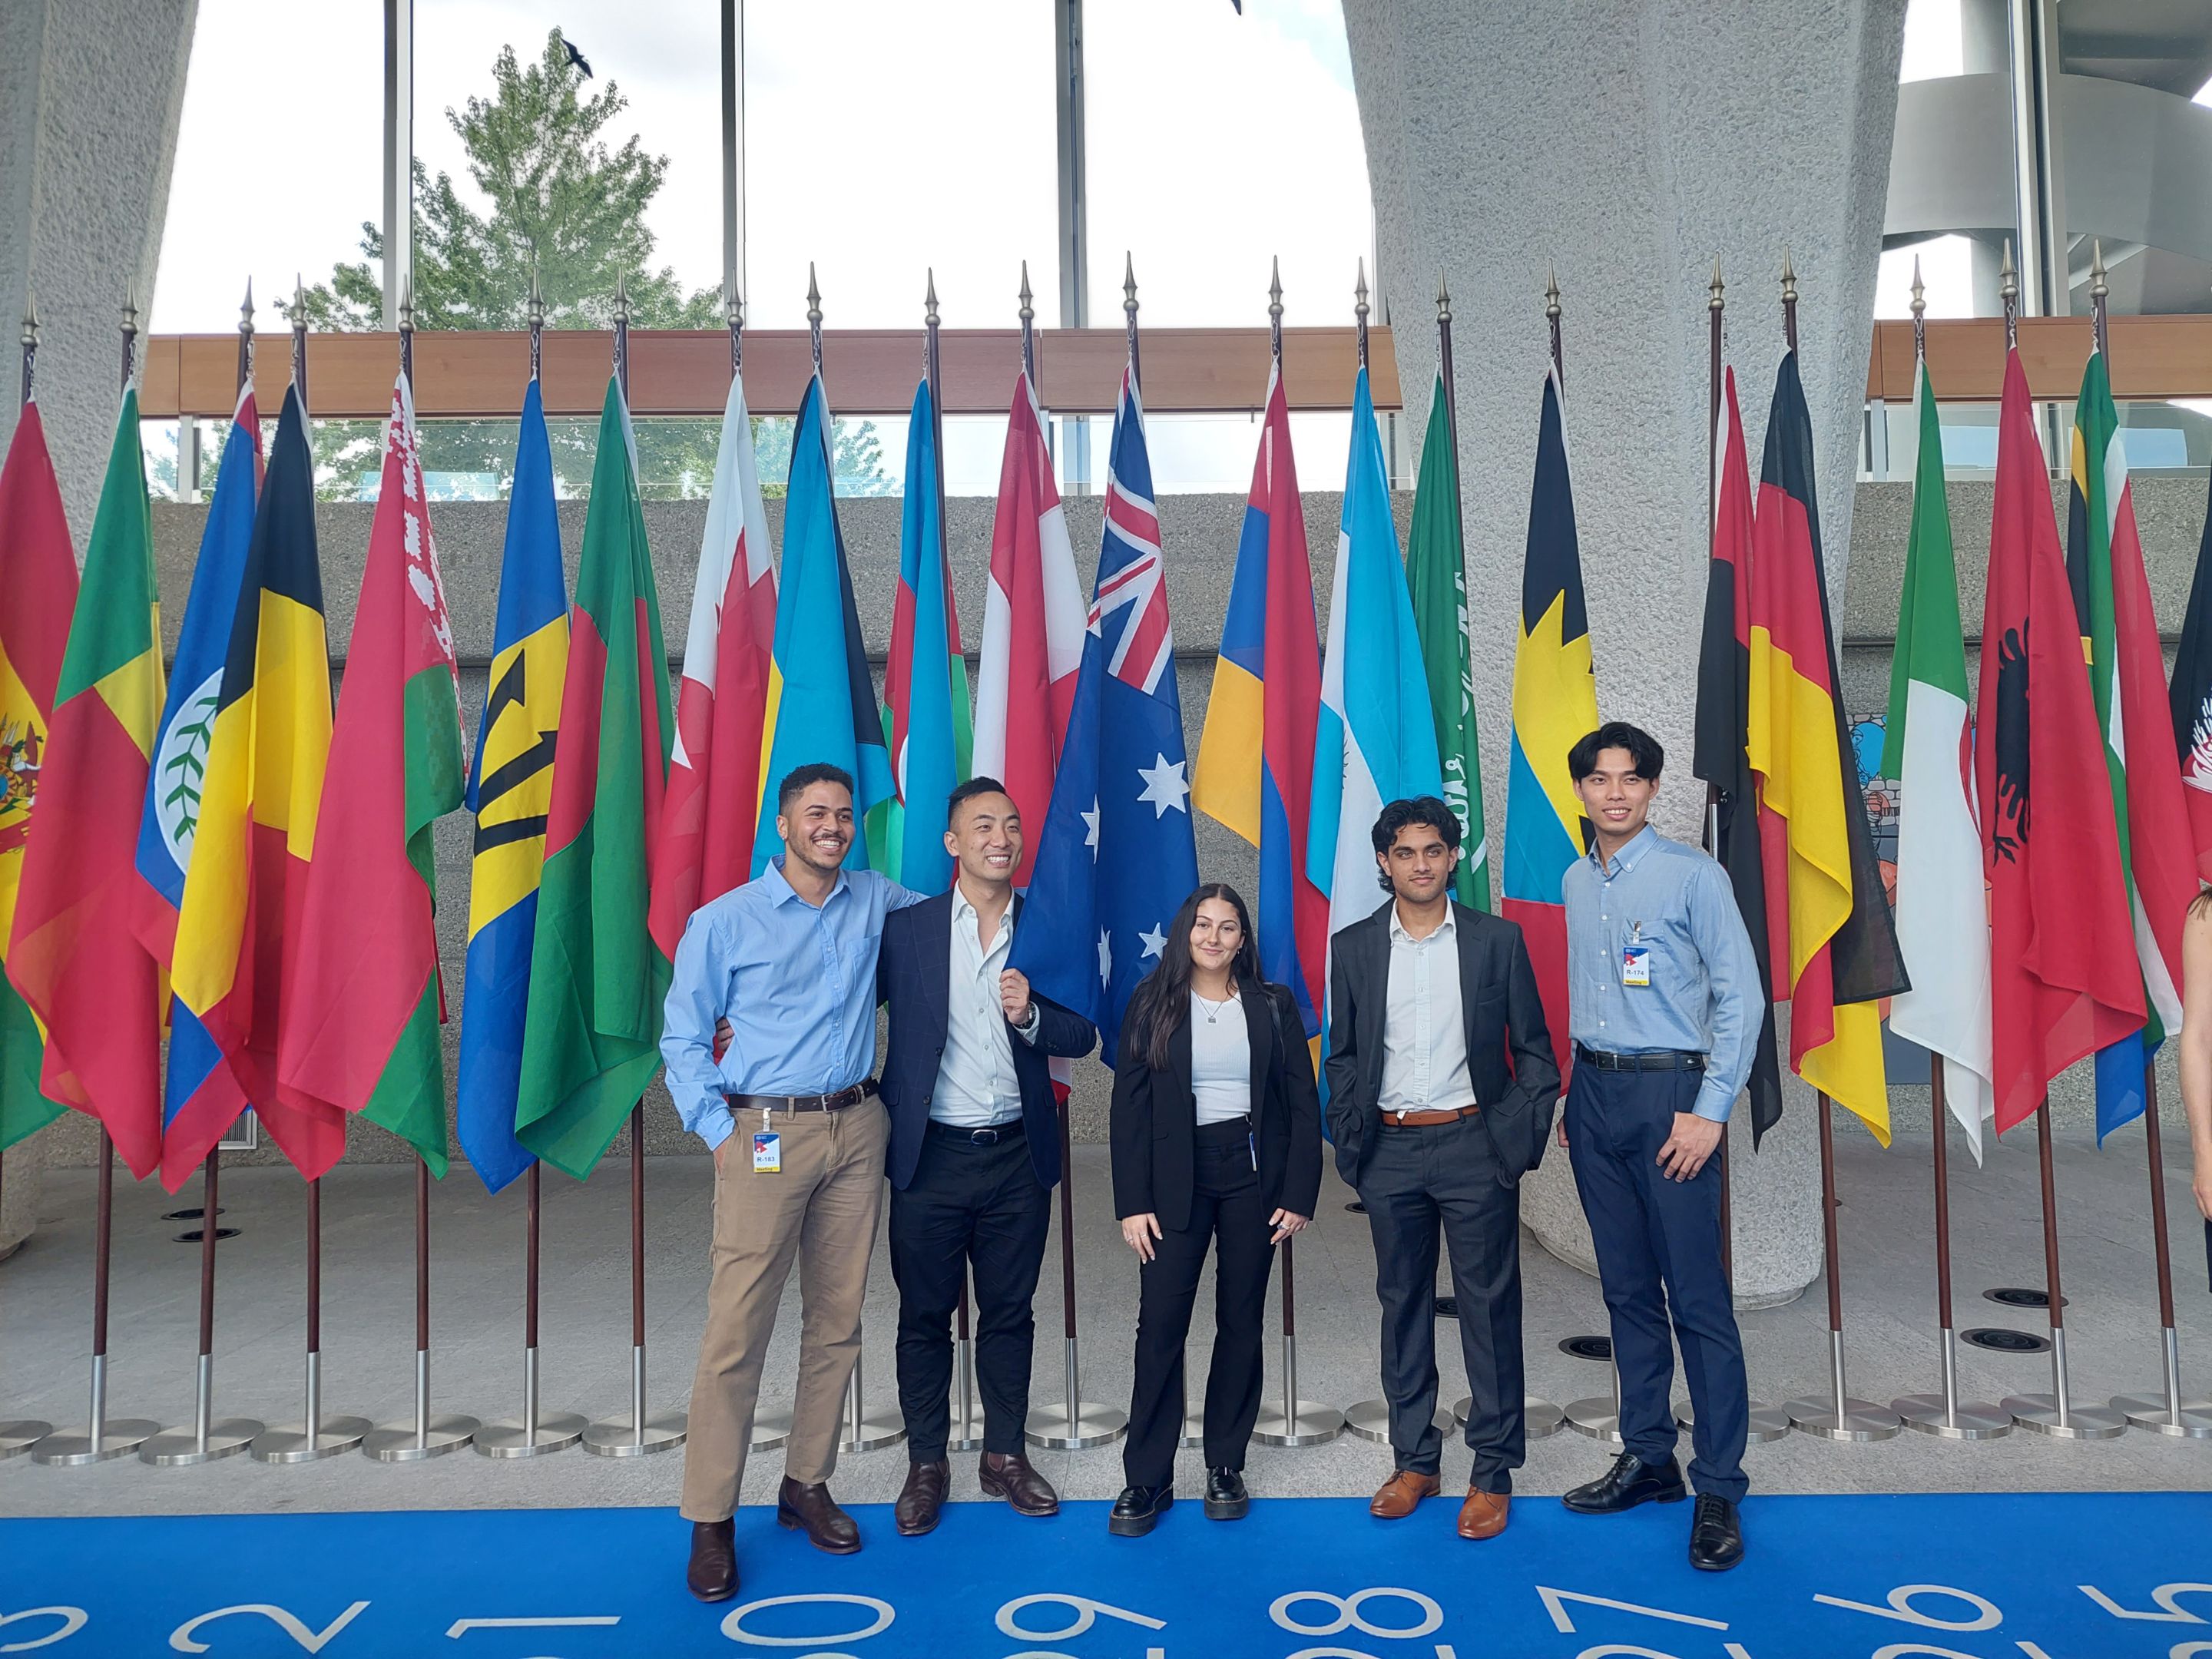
pixel 248 883
pixel 1841 947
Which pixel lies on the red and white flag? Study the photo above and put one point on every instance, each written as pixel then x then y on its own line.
pixel 1034 617
pixel 713 804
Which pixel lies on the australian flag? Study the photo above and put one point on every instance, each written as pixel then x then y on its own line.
pixel 1116 858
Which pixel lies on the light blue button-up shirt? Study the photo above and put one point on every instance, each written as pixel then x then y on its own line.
pixel 796 982
pixel 1703 997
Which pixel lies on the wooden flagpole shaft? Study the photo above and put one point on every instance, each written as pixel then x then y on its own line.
pixel 1076 1423
pixel 19 1435
pixel 315 1436
pixel 637 1435
pixel 103 1437
pixel 1943 1413
pixel 537 1431
pixel 1837 1415
pixel 425 1435
pixel 2169 1412
pixel 2055 1414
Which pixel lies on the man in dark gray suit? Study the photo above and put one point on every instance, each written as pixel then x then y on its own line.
pixel 1434 1126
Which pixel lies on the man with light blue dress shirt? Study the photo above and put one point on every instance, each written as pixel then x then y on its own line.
pixel 788 961
pixel 1663 996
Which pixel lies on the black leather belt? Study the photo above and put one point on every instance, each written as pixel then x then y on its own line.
pixel 864 1089
pixel 988 1134
pixel 1669 1059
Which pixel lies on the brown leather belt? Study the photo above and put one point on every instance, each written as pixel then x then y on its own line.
pixel 864 1089
pixel 1426 1120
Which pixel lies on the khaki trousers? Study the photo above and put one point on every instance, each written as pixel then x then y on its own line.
pixel 823 1209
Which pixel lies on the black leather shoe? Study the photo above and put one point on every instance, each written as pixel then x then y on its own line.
pixel 1138 1509
pixel 1716 1535
pixel 923 1500
pixel 1011 1476
pixel 811 1509
pixel 713 1575
pixel 1629 1482
pixel 1226 1496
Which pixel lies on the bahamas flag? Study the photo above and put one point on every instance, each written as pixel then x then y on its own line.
pixel 821 701
pixel 510 790
pixel 200 1100
pixel 72 951
pixel 927 720
pixel 1375 739
pixel 1255 755
pixel 1554 707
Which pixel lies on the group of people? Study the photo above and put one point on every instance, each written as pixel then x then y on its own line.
pixel 1441 1086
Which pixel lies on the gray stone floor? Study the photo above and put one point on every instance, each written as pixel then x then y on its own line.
pixel 368 1334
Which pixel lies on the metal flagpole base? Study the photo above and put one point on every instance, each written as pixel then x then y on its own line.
pixel 1766 1423
pixel 1075 1423
pixel 621 1436
pixel 400 1442
pixel 1860 1419
pixel 119 1437
pixel 2038 1413
pixel 1193 1437
pixel 1311 1424
pixel 183 1448
pixel 2151 1412
pixel 294 1443
pixel 1597 1417
pixel 863 1433
pixel 1972 1419
pixel 771 1430
pixel 18 1436
pixel 1370 1420
pixel 1541 1419
pixel 556 1432
pixel 967 1433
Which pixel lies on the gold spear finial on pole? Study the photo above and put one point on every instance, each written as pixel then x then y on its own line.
pixel 1789 301
pixel 1129 313
pixel 1919 313
pixel 733 315
pixel 129 336
pixel 30 338
pixel 1027 313
pixel 2098 290
pixel 2008 290
pixel 1275 308
pixel 1551 312
pixel 535 310
pixel 1359 309
pixel 814 315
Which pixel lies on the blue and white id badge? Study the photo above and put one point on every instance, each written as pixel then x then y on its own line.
pixel 767 1149
pixel 1636 964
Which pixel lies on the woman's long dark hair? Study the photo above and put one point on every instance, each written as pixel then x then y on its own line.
pixel 1162 1000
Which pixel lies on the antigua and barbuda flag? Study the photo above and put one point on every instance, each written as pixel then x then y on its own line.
pixel 2191 704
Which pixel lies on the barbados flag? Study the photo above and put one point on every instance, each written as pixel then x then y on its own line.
pixel 1554 707
pixel 821 701
pixel 510 790
pixel 1255 755
pixel 200 1100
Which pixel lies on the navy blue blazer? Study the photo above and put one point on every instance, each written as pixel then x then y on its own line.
pixel 913 975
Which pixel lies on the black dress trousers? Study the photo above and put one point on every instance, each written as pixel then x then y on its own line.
pixel 972 1203
pixel 1229 1215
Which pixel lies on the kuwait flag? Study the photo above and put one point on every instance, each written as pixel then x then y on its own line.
pixel 591 1039
pixel 2191 708
pixel 721 701
pixel 72 951
pixel 2063 975
pixel 926 719
pixel 1034 617
pixel 38 592
pixel 362 999
pixel 2127 681
pixel 1942 908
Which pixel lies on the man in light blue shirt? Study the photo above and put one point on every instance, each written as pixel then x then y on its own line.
pixel 1663 998
pixel 788 961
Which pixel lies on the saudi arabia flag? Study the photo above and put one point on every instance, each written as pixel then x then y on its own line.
pixel 1436 570
pixel 1942 918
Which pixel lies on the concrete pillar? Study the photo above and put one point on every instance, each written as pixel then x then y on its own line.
pixel 1630 142
pixel 90 96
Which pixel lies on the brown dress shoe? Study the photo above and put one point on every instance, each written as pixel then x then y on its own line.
pixel 1483 1515
pixel 1009 1475
pixel 923 1500
pixel 812 1510
pixel 713 1575
pixel 1400 1493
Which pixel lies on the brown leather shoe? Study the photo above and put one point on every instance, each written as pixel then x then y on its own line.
pixel 1009 1475
pixel 1483 1515
pixel 923 1500
pixel 1400 1493
pixel 812 1510
pixel 712 1574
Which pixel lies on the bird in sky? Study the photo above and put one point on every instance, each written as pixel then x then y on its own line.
pixel 575 57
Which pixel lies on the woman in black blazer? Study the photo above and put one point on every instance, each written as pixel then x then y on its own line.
pixel 1217 1141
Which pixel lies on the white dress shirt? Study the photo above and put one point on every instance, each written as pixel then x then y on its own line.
pixel 1424 1027
pixel 1220 1060
pixel 976 1086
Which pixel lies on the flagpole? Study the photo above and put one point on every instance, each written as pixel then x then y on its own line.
pixel 814 318
pixel 30 341
pixel 1128 318
pixel 299 341
pixel 208 1439
pixel 934 370
pixel 1552 310
pixel 622 338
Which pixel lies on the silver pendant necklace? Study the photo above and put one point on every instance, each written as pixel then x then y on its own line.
pixel 1213 1010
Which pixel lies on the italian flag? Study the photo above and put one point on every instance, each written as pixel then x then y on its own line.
pixel 591 1037
pixel 362 997
pixel 1943 912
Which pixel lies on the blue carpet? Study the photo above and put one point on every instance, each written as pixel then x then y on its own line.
pixel 2101 1576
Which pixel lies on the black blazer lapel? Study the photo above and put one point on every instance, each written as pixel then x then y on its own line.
pixel 1260 1033
pixel 1468 932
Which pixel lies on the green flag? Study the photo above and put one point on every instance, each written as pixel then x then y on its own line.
pixel 1436 570
pixel 592 1033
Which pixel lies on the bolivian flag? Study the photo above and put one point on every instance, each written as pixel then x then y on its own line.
pixel 1840 946
pixel 72 951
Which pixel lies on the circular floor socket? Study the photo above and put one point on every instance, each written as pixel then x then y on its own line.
pixel 2019 1296
pixel 1588 1348
pixel 193 1214
pixel 193 1235
pixel 1447 1307
pixel 1355 1208
pixel 1997 1339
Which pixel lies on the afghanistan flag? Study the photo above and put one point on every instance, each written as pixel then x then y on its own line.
pixel 37 594
pixel 591 1040
pixel 2063 975
pixel 1841 946
pixel 72 950
pixel 1436 570
pixel 2127 682
pixel 2191 708
pixel 363 1001
pixel 240 921
pixel 1722 724
pixel 1554 707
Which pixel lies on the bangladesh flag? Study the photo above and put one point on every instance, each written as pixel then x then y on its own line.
pixel 591 1037
pixel 363 1002
pixel 1436 570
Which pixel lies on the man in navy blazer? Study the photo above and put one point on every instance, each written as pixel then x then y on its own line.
pixel 974 1151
